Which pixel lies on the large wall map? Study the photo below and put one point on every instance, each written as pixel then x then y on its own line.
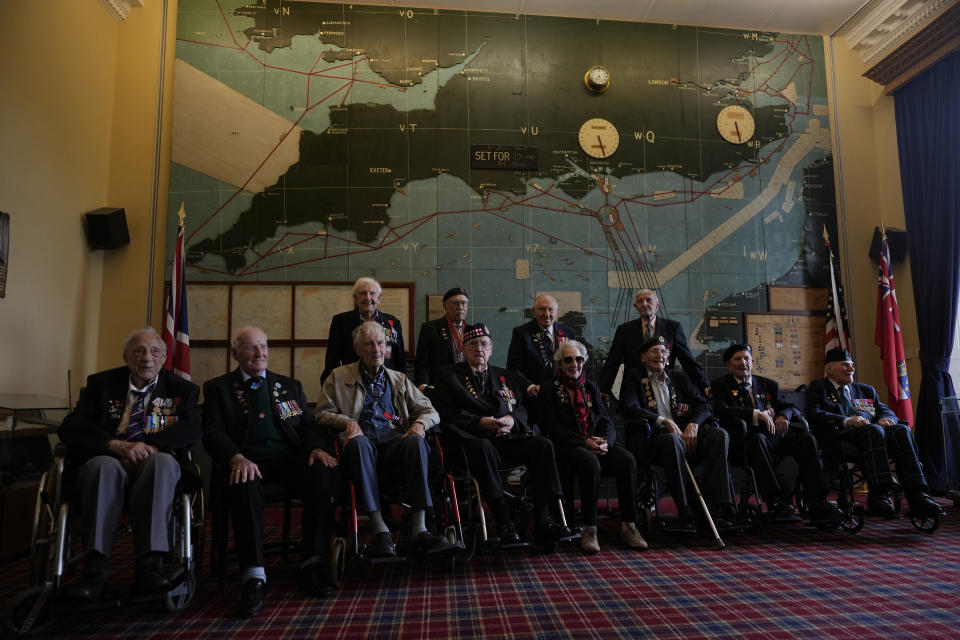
pixel 321 142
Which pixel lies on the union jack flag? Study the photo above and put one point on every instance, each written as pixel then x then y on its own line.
pixel 175 333
pixel 890 340
pixel 838 329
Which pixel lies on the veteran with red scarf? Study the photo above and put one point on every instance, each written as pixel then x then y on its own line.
pixel 574 416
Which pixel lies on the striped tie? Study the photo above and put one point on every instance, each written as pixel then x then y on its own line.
pixel 135 428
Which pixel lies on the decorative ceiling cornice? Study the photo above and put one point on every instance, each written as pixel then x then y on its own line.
pixel 886 25
pixel 937 39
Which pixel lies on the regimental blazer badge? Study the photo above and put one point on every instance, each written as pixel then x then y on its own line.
pixel 115 409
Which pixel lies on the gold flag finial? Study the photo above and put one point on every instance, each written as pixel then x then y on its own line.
pixel 826 236
pixel 181 214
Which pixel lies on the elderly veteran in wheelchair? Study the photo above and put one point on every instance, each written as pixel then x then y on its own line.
pixel 384 419
pixel 841 410
pixel 574 417
pixel 130 438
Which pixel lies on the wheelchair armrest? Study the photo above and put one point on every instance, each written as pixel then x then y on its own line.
pixel 799 425
pixel 634 428
pixel 733 426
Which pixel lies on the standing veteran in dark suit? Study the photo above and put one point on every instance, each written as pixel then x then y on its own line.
pixel 757 401
pixel 131 434
pixel 366 297
pixel 574 416
pixel 533 345
pixel 840 409
pixel 481 408
pixel 384 420
pixel 629 337
pixel 441 340
pixel 681 423
pixel 257 428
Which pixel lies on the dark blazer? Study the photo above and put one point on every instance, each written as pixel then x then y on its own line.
pixel 88 428
pixel 625 350
pixel 558 421
pixel 528 354
pixel 226 417
pixel 637 401
pixel 340 343
pixel 460 410
pixel 729 403
pixel 823 407
pixel 435 350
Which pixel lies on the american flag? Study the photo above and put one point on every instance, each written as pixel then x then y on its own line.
pixel 890 340
pixel 176 334
pixel 838 329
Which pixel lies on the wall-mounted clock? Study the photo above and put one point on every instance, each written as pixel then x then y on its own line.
pixel 735 124
pixel 597 79
pixel 599 138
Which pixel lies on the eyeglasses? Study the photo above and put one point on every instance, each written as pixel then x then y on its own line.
pixel 569 359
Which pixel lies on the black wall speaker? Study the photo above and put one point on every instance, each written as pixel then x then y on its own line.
pixel 896 238
pixel 107 228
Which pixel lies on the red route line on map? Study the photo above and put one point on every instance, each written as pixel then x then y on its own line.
pixel 507 201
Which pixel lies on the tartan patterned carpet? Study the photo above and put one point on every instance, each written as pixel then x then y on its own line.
pixel 791 581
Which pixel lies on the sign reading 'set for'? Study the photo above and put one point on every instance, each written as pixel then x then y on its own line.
pixel 499 156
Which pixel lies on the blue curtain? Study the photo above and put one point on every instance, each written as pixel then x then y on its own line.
pixel 928 134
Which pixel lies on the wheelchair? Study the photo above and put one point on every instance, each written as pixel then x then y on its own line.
pixel 753 512
pixel 55 551
pixel 843 466
pixel 470 515
pixel 650 491
pixel 444 520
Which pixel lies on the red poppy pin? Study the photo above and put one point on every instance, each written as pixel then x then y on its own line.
pixel 386 414
pixel 767 397
pixel 390 322
pixel 503 380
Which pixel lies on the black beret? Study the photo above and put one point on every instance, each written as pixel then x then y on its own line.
pixel 733 349
pixel 837 355
pixel 652 342
pixel 456 291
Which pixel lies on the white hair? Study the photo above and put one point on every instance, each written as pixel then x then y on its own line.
pixel 368 328
pixel 235 336
pixel 566 345
pixel 150 331
pixel 365 280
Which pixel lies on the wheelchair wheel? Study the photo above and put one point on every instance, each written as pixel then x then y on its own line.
pixel 44 529
pixel 180 596
pixel 752 516
pixel 456 561
pixel 854 519
pixel 645 520
pixel 927 524
pixel 198 521
pixel 29 612
pixel 338 561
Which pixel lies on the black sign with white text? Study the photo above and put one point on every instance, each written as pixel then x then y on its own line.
pixel 499 156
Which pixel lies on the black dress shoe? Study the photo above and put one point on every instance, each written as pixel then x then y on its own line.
pixel 546 534
pixel 508 535
pixel 88 589
pixel 881 504
pixel 723 516
pixel 924 506
pixel 824 512
pixel 251 598
pixel 431 545
pixel 150 580
pixel 686 520
pixel 314 579
pixel 780 510
pixel 383 546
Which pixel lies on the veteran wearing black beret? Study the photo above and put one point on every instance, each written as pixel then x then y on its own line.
pixel 841 410
pixel 441 341
pixel 757 401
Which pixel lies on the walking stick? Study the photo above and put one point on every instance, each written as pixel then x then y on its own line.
pixel 703 504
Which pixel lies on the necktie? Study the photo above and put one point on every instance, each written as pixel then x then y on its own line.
pixel 135 427
pixel 548 342
pixel 647 331
pixel 480 380
pixel 747 394
pixel 845 403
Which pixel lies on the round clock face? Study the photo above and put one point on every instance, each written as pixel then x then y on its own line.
pixel 599 138
pixel 597 79
pixel 735 124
